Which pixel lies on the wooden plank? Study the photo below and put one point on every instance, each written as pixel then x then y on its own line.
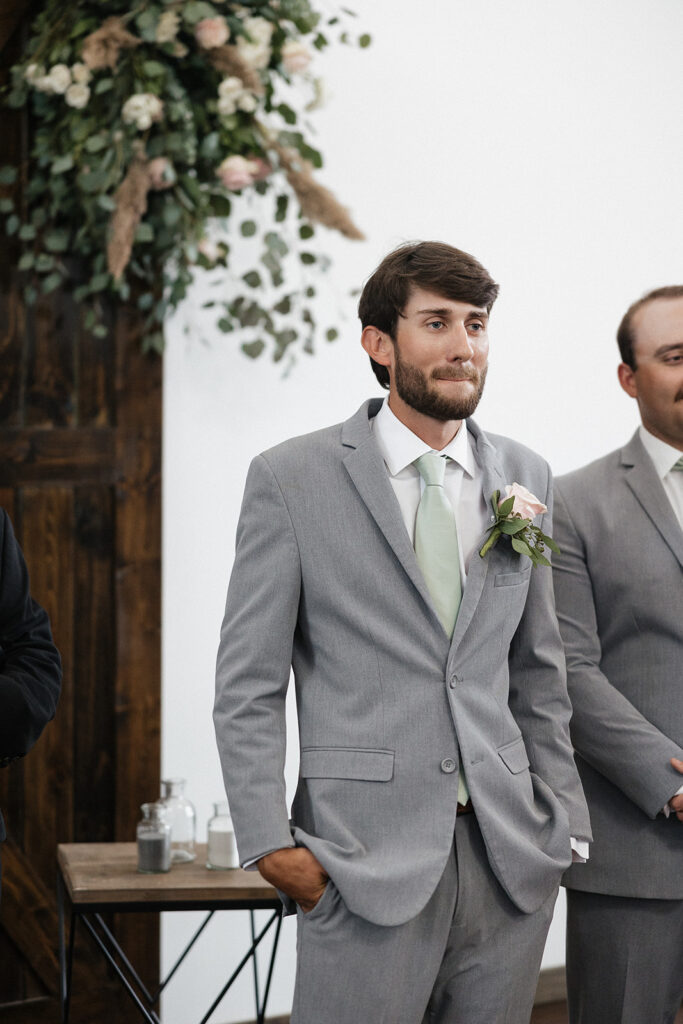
pixel 57 455
pixel 94 665
pixel 11 970
pixel 11 13
pixel 96 371
pixel 50 365
pixel 47 531
pixel 107 873
pixel 138 605
pixel 29 914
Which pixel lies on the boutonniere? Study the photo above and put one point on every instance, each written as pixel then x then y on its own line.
pixel 513 515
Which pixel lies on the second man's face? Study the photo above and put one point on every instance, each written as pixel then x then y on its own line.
pixel 440 356
pixel 657 381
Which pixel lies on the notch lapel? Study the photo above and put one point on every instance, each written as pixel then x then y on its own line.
pixel 493 479
pixel 365 466
pixel 642 478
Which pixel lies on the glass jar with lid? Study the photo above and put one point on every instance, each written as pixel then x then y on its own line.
pixel 154 840
pixel 221 852
pixel 180 815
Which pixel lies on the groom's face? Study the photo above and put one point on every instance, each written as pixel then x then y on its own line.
pixel 440 356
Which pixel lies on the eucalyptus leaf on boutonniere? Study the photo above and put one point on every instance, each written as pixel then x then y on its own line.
pixel 513 518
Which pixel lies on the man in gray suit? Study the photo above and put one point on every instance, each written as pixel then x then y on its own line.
pixel 437 791
pixel 619 592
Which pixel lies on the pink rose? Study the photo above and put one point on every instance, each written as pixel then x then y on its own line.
pixel 261 168
pixel 161 173
pixel 212 32
pixel 236 172
pixel 526 504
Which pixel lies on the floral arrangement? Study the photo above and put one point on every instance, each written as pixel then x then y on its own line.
pixel 512 517
pixel 151 121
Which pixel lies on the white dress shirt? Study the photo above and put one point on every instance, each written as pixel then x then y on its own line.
pixel 664 456
pixel 462 483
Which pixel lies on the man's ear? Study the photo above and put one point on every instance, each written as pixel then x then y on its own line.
pixel 378 345
pixel 627 379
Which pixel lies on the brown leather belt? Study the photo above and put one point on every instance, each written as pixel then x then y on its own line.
pixel 466 808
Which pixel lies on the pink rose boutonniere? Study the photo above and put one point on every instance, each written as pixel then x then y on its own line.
pixel 513 515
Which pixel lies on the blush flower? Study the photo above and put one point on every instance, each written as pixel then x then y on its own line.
pixel 525 503
pixel 161 173
pixel 212 32
pixel 295 57
pixel 236 172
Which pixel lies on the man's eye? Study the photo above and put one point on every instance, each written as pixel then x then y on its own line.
pixel 436 324
pixel 674 358
pixel 475 326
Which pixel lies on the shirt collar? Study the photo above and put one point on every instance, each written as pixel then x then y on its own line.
pixel 400 446
pixel 662 454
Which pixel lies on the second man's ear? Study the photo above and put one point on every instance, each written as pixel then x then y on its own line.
pixel 627 379
pixel 378 345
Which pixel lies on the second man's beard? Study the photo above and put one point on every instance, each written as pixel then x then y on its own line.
pixel 413 386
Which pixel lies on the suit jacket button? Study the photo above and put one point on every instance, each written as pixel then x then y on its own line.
pixel 448 765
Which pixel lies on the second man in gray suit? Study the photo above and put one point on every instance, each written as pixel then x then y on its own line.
pixel 438 793
pixel 619 591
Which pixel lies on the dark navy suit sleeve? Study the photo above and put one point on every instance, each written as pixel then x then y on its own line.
pixel 30 666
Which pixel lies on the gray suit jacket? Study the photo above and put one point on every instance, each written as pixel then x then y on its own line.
pixel 325 579
pixel 619 592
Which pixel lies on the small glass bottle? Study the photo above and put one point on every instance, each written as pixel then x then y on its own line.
pixel 154 840
pixel 221 850
pixel 180 815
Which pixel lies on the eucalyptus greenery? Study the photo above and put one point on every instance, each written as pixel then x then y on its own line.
pixel 526 539
pixel 150 122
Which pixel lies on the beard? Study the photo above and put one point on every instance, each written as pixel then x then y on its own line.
pixel 414 387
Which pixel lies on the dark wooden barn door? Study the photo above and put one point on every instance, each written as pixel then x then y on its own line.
pixel 80 455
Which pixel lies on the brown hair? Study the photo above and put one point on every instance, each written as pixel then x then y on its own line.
pixel 432 265
pixel 626 334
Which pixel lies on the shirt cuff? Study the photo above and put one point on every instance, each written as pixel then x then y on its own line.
pixel 250 865
pixel 666 810
pixel 579 850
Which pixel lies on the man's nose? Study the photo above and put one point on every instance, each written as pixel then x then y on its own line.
pixel 460 344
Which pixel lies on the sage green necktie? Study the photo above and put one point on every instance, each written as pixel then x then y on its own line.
pixel 677 466
pixel 436 540
pixel 436 550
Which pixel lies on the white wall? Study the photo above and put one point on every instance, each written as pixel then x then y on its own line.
pixel 542 137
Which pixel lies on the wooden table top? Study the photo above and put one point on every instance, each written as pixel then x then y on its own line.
pixel 107 873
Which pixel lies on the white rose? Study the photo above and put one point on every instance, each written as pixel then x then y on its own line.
pixel 167 27
pixel 255 51
pixel 141 109
pixel 59 78
pixel 260 30
pixel 77 95
pixel 253 54
pixel 230 87
pixel 81 73
pixel 33 72
pixel 295 56
pixel 226 106
pixel 247 102
pixel 43 83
